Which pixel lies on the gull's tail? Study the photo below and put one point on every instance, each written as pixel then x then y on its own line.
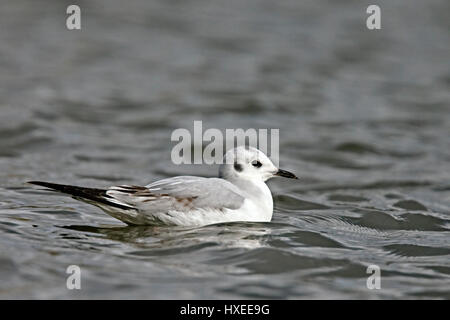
pixel 90 195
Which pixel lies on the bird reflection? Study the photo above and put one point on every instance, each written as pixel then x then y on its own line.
pixel 233 235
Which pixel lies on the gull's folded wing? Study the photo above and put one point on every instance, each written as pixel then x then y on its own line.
pixel 182 193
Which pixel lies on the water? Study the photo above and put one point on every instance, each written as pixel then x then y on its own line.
pixel 364 120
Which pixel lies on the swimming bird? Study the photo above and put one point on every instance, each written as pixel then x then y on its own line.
pixel 238 194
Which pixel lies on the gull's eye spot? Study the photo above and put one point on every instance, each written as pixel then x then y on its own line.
pixel 237 167
pixel 256 164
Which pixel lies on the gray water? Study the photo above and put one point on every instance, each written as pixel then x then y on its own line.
pixel 364 119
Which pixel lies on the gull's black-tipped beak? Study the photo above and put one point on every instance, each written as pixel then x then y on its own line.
pixel 286 174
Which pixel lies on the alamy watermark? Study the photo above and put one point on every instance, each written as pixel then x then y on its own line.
pixel 373 21
pixel 74 280
pixel 190 148
pixel 374 280
pixel 73 21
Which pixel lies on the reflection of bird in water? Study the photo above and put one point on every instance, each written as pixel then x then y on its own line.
pixel 244 235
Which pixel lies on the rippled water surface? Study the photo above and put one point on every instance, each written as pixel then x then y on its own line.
pixel 364 120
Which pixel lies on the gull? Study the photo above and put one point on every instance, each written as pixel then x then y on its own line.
pixel 238 194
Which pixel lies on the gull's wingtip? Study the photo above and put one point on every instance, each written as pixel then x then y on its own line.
pixel 39 183
pixel 54 186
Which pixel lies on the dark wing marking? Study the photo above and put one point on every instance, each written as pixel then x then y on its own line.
pixel 93 194
pixel 138 196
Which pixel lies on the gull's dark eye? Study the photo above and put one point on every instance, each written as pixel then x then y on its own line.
pixel 256 164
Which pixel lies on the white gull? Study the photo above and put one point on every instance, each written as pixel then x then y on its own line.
pixel 238 194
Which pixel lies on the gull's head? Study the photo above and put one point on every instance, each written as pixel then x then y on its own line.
pixel 249 164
